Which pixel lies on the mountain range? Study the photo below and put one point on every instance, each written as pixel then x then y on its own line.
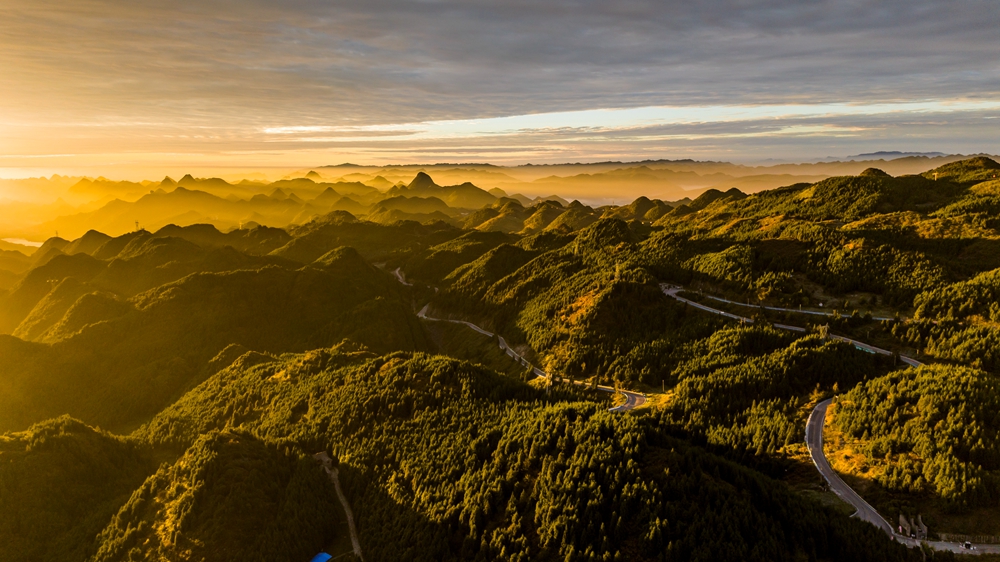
pixel 164 392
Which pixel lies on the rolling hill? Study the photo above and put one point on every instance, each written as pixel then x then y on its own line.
pixel 163 391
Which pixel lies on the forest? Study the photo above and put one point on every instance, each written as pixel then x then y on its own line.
pixel 163 393
pixel 934 428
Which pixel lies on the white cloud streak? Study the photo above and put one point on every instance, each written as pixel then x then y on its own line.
pixel 110 77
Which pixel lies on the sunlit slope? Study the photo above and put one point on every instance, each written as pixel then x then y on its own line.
pixel 444 460
pixel 115 361
pixel 230 496
pixel 512 216
pixel 144 261
pixel 966 172
pixel 899 242
pixel 377 243
pixel 912 245
pixel 227 351
pixel 943 446
pixel 38 283
pixel 892 236
pixel 582 301
pixel 60 484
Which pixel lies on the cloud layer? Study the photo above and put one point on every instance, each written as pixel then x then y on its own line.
pixel 213 78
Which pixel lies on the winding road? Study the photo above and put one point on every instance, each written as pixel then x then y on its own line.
pixel 814 426
pixel 673 292
pixel 632 399
pixel 797 311
pixel 863 510
pixel 814 438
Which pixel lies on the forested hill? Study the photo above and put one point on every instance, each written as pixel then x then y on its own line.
pixel 116 340
pixel 442 460
pixel 182 379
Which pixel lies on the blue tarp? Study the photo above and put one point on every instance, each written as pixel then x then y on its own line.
pixel 321 557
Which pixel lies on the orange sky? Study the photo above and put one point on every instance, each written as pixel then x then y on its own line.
pixel 131 89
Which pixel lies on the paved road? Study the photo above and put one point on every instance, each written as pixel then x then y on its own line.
pixel 632 399
pixel 863 510
pixel 814 426
pixel 673 290
pixel 814 440
pixel 400 278
pixel 795 310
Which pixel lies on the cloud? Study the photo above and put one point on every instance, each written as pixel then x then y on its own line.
pixel 213 75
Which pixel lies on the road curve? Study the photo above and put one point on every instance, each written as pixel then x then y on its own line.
pixel 863 510
pixel 632 399
pixel 814 426
pixel 814 440
pixel 673 290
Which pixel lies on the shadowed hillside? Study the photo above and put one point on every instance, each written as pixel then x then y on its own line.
pixel 114 360
pixel 223 359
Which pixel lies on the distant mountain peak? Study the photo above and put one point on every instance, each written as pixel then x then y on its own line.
pixel 893 154
pixel 875 173
pixel 421 181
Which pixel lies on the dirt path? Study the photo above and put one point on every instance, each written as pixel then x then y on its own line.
pixel 335 478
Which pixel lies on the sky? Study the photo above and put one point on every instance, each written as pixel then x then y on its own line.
pixel 135 86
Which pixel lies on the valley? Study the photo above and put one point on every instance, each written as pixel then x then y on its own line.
pixel 495 376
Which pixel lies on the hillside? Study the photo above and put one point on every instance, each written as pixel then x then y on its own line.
pixel 124 266
pixel 229 495
pixel 936 435
pixel 163 391
pixel 449 461
pixel 60 482
pixel 116 361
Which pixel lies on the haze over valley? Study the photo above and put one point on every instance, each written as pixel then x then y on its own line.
pixel 387 281
pixel 38 208
pixel 456 340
